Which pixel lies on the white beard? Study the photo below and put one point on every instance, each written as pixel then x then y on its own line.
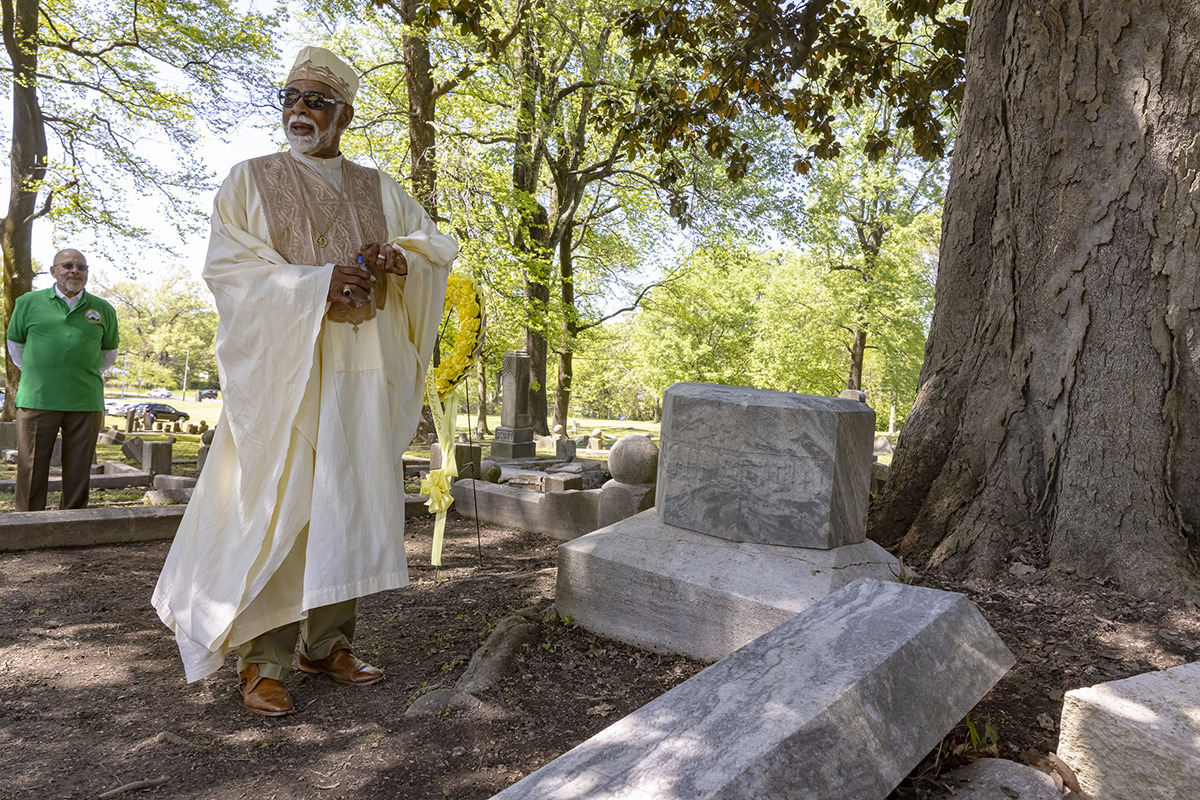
pixel 74 285
pixel 314 142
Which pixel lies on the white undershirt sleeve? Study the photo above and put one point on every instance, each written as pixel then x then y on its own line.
pixel 14 352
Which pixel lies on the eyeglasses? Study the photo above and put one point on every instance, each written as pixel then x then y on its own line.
pixel 69 265
pixel 314 100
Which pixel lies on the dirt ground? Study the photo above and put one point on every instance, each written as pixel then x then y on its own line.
pixel 92 696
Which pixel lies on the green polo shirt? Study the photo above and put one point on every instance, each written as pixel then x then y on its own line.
pixel 60 367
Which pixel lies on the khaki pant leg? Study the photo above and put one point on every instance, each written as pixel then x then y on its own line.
pixel 36 431
pixel 326 626
pixel 271 651
pixel 79 431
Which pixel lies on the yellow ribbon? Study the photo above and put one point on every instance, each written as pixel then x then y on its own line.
pixel 462 296
pixel 437 486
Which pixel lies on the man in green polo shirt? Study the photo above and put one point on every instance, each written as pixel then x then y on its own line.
pixel 62 339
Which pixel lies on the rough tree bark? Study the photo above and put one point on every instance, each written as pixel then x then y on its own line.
pixel 566 353
pixel 532 237
pixel 1060 396
pixel 27 165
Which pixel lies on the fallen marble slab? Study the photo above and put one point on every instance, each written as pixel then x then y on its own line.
pixel 838 703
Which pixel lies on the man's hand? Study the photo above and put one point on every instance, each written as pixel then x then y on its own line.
pixel 385 257
pixel 349 285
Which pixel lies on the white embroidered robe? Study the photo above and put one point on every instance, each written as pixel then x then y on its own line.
pixel 301 501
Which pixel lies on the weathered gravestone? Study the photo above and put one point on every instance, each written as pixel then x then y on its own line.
pixel 760 512
pixel 564 449
pixel 514 436
pixel 156 457
pixel 754 465
pixel 1136 738
pixel 839 702
pixel 467 457
pixel 133 448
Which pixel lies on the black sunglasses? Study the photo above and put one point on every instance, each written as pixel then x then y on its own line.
pixel 314 100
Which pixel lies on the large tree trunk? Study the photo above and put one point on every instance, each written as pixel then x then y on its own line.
pixel 418 78
pixel 1060 400
pixel 533 233
pixel 481 423
pixel 858 351
pixel 566 268
pixel 27 167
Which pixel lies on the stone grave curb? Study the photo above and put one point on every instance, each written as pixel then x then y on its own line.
pixel 562 515
pixel 33 530
pixel 123 481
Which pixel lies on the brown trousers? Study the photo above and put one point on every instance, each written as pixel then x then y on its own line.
pixel 36 431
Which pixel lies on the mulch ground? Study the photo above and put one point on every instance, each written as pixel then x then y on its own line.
pixel 92 696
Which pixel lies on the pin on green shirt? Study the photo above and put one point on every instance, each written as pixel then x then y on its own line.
pixel 60 367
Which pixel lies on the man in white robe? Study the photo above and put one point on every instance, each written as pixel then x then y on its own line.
pixel 329 282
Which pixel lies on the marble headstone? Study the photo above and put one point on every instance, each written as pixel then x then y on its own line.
pixel 514 436
pixel 754 465
pixel 839 702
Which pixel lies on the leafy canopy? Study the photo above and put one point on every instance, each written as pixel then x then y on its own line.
pixel 803 62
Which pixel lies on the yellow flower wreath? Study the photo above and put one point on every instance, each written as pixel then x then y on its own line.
pixel 464 299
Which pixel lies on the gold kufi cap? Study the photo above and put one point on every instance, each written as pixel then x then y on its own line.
pixel 318 64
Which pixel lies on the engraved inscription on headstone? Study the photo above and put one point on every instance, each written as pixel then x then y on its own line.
pixel 752 465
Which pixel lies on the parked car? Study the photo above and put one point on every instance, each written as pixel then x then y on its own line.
pixel 208 394
pixel 160 393
pixel 160 411
pixel 116 408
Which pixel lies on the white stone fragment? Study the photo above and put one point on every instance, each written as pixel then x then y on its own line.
pixel 1137 738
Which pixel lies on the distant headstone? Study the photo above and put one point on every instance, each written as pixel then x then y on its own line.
pixel 564 449
pixel 110 436
pixel 840 702
pixel 882 445
pixel 130 420
pixel 466 456
pixel 203 426
pixel 595 443
pixel 853 394
pixel 514 436
pixel 8 436
pixel 156 457
pixel 753 465
pixel 206 436
pixel 132 448
pixel 202 456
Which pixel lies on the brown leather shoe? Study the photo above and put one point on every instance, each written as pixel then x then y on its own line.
pixel 343 667
pixel 261 695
